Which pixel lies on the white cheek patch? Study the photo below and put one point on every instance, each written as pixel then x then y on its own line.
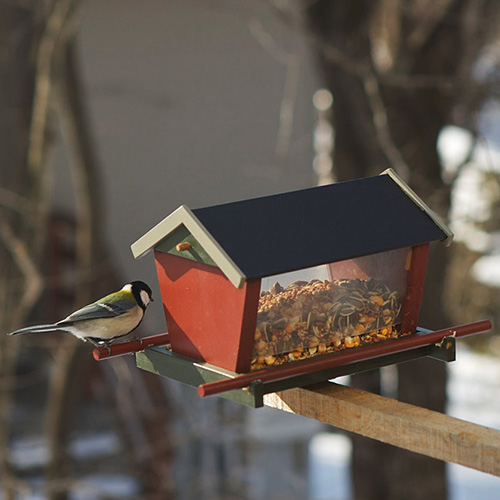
pixel 145 297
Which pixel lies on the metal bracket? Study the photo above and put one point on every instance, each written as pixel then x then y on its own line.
pixel 445 350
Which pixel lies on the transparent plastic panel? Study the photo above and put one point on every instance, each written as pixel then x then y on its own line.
pixel 312 311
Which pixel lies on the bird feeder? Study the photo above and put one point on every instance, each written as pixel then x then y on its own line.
pixel 295 280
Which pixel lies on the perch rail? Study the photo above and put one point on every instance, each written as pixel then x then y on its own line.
pixel 342 358
pixel 130 347
pixel 306 366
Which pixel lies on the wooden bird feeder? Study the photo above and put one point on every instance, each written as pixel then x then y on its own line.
pixel 296 287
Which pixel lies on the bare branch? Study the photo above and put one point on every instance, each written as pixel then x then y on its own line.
pixel 267 42
pixel 287 107
pixel 13 201
pixel 33 279
pixel 292 62
pixel 380 122
pixel 37 168
pixel 363 68
pixel 46 49
pixel 426 15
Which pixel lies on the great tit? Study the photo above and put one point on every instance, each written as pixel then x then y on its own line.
pixel 105 320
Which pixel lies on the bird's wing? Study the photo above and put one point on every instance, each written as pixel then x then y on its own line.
pixel 95 311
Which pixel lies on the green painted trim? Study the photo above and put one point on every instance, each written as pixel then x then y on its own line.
pixel 196 252
pixel 183 216
pixel 166 363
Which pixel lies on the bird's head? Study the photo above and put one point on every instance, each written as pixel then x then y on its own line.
pixel 141 292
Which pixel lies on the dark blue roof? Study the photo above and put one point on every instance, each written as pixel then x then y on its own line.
pixel 299 229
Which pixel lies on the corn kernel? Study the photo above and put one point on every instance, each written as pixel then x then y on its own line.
pixel 351 342
pixel 377 299
pixel 269 360
pixel 314 342
pixel 261 346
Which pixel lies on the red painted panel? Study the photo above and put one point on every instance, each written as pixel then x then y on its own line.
pixel 416 278
pixel 207 317
pixel 388 267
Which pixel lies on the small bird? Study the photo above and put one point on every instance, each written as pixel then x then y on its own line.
pixel 105 320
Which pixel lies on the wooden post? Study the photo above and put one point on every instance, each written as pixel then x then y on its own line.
pixel 400 424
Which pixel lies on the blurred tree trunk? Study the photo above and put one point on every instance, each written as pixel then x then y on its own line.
pixel 17 267
pixel 398 71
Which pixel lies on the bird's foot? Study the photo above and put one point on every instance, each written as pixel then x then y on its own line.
pixel 106 346
pixel 136 338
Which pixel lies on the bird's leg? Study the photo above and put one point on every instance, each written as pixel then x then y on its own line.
pixel 106 345
pixel 99 344
pixel 92 341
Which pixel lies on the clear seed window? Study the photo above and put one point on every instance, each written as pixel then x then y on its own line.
pixel 313 311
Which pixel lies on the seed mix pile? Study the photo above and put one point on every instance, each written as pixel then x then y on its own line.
pixel 307 319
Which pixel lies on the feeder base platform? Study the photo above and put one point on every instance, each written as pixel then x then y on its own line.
pixel 166 363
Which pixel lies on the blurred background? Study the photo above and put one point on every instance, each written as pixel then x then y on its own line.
pixel 113 113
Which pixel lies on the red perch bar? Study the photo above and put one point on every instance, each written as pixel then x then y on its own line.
pixel 130 347
pixel 344 358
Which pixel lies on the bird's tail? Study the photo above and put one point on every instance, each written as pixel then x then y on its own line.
pixel 36 329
